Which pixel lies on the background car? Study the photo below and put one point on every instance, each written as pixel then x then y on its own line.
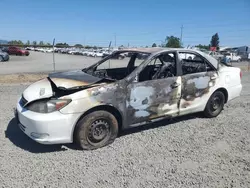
pixel 233 57
pixel 4 56
pixel 216 55
pixel 12 50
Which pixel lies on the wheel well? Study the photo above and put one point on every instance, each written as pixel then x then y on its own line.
pixel 107 108
pixel 224 91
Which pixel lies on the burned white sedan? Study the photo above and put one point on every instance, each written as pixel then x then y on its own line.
pixel 92 105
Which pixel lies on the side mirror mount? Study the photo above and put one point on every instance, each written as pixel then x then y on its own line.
pixel 136 78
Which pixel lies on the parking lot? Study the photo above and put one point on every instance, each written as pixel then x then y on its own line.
pixel 190 151
pixel 43 62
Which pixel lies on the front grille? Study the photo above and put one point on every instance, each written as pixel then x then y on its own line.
pixel 22 101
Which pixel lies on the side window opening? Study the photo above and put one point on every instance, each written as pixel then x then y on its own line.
pixel 160 67
pixel 193 64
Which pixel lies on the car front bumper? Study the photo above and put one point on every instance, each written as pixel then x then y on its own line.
pixel 6 58
pixel 51 128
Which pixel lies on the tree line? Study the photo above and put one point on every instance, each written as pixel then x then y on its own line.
pixel 44 44
pixel 175 42
pixel 169 42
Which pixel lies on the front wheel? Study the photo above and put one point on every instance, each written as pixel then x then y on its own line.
pixel 215 104
pixel 95 130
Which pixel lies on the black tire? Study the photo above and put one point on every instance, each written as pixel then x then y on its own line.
pixel 1 59
pixel 95 130
pixel 215 104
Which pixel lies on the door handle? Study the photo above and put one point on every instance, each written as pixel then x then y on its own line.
pixel 214 77
pixel 174 85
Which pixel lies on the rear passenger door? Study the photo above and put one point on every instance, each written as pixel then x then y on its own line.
pixel 199 78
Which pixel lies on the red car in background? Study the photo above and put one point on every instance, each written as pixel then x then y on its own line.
pixel 12 50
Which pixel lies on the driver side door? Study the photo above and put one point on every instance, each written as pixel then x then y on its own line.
pixel 153 98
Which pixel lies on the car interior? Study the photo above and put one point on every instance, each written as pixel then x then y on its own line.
pixel 162 66
pixel 193 65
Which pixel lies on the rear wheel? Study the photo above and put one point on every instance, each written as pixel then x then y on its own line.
pixel 215 104
pixel 95 130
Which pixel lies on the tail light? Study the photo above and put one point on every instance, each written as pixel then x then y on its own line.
pixel 240 74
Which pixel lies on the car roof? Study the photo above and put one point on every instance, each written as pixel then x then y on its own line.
pixel 155 50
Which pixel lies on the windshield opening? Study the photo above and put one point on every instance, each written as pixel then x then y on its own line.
pixel 118 66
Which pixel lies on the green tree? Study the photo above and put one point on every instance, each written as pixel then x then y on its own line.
pixel 87 46
pixel 28 42
pixel 154 45
pixel 15 42
pixel 200 46
pixel 19 42
pixel 61 45
pixel 78 46
pixel 48 44
pixel 215 41
pixel 41 43
pixel 172 42
pixel 34 43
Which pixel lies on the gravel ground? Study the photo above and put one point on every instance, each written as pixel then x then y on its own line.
pixel 190 151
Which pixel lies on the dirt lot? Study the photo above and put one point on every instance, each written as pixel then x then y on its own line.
pixel 190 151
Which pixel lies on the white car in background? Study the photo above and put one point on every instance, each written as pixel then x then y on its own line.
pixel 97 54
pixel 186 56
pixel 92 105
pixel 71 52
pixel 49 50
pixel 233 57
pixel 90 53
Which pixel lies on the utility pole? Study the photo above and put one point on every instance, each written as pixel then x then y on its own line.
pixel 181 32
pixel 54 63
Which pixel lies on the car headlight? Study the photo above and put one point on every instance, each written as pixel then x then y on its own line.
pixel 48 106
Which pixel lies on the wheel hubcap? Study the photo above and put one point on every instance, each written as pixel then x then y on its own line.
pixel 215 103
pixel 98 131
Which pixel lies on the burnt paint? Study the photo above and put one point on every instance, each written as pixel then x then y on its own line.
pixel 196 85
pixel 150 102
pixel 78 75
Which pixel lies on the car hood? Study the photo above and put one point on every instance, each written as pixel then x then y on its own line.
pixel 60 84
pixel 3 53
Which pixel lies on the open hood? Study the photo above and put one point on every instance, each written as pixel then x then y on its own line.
pixel 60 84
pixel 73 79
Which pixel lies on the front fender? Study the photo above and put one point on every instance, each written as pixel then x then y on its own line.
pixel 81 105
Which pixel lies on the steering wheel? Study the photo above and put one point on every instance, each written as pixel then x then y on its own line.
pixel 101 73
